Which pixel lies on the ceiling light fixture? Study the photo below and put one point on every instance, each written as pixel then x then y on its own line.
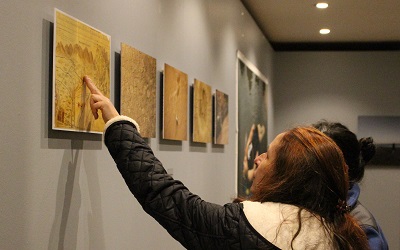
pixel 324 31
pixel 321 5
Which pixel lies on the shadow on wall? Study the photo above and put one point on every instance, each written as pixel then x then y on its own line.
pixel 67 211
pixel 70 202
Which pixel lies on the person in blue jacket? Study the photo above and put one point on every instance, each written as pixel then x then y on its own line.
pixel 357 154
pixel 299 192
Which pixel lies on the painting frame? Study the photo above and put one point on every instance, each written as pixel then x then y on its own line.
pixel 251 121
pixel 138 88
pixel 175 102
pixel 202 112
pixel 221 118
pixel 78 50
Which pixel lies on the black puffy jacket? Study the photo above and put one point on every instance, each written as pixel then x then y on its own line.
pixel 195 223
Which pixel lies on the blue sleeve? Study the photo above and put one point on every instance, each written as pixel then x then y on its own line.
pixel 376 239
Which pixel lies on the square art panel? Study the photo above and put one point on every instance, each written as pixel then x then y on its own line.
pixel 79 50
pixel 202 112
pixel 221 121
pixel 138 89
pixel 175 104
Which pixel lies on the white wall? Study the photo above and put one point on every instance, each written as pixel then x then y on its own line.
pixel 340 86
pixel 60 190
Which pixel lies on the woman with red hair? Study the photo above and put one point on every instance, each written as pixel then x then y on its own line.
pixel 299 192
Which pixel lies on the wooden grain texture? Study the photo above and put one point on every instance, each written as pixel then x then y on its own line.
pixel 175 104
pixel 138 89
pixel 202 112
pixel 221 118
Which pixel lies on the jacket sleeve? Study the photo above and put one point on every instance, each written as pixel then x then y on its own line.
pixel 195 223
pixel 376 239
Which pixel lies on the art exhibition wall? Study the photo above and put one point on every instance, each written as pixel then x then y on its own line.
pixel 342 86
pixel 61 190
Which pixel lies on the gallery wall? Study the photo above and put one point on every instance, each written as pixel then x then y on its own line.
pixel 61 190
pixel 342 86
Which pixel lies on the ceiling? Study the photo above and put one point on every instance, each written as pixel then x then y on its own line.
pixel 354 24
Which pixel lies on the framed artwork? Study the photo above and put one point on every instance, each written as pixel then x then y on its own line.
pixel 221 120
pixel 202 112
pixel 138 89
pixel 79 50
pixel 385 131
pixel 175 104
pixel 386 155
pixel 252 89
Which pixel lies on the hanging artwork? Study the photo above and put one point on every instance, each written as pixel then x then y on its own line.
pixel 79 50
pixel 251 121
pixel 385 132
pixel 221 121
pixel 175 104
pixel 202 112
pixel 138 89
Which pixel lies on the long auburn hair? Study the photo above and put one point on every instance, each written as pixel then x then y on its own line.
pixel 309 171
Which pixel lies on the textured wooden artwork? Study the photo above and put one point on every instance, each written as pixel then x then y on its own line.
pixel 138 89
pixel 202 112
pixel 79 50
pixel 175 104
pixel 221 118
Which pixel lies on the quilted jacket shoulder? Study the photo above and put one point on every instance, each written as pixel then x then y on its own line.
pixel 195 223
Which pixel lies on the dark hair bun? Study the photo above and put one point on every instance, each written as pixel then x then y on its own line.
pixel 367 148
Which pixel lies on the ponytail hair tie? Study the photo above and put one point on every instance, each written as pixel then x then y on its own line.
pixel 342 207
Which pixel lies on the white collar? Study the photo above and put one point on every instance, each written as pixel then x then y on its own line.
pixel 277 223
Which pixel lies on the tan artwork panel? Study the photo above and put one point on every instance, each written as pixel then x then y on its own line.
pixel 175 104
pixel 138 89
pixel 221 118
pixel 79 50
pixel 202 112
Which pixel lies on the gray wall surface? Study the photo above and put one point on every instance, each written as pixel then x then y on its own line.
pixel 341 86
pixel 61 190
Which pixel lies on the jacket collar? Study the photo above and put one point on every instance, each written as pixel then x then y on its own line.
pixel 353 194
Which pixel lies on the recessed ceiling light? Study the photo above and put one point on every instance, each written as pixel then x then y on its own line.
pixel 324 31
pixel 321 5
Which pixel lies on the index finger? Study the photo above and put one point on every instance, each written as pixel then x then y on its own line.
pixel 92 87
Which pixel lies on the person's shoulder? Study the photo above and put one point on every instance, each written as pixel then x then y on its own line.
pixel 278 223
pixel 270 206
pixel 364 216
pixel 271 212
